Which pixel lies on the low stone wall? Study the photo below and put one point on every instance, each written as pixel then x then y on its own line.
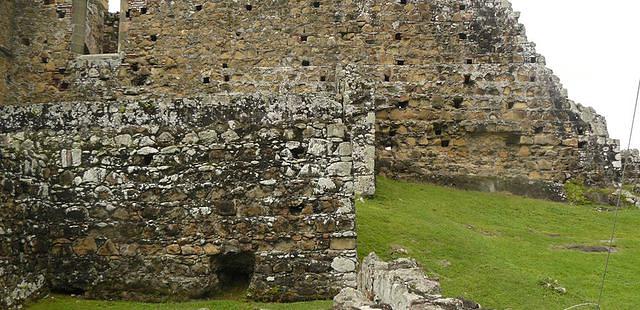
pixel 177 199
pixel 399 285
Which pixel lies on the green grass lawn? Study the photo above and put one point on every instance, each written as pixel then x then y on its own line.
pixel 491 248
pixel 495 248
pixel 58 302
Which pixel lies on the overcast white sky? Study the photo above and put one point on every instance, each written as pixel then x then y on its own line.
pixel 593 46
pixel 114 5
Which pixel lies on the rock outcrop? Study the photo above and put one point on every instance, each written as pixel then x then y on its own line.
pixel 398 285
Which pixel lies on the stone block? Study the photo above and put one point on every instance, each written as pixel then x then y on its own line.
pixel 343 244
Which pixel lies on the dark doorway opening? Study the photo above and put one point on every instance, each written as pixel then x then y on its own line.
pixel 234 272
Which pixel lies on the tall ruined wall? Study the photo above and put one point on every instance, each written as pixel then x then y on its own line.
pixel 121 175
pixel 23 193
pixel 151 199
pixel 486 113
pixel 462 95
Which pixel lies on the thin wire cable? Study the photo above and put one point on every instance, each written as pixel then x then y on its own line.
pixel 583 305
pixel 616 212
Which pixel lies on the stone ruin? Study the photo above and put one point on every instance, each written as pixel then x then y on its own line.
pixel 400 284
pixel 162 152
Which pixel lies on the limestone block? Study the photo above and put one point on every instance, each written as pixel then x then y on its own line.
pixel 94 175
pixel 545 139
pixel 343 244
pixel 190 138
pixel 230 136
pixel 340 169
pixel 147 150
pixel 336 130
pixel 341 264
pixel 165 138
pixel 124 140
pixel 319 147
pixel 350 298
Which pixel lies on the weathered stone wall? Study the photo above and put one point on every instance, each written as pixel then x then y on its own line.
pixel 42 49
pixel 631 158
pixel 22 199
pixel 23 225
pixel 150 199
pixel 25 209
pixel 400 284
pixel 462 98
pixel 462 95
pixel 485 113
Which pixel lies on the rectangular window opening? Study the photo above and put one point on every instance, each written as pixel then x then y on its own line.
pixel 97 30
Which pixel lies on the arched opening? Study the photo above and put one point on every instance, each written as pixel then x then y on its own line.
pixel 234 272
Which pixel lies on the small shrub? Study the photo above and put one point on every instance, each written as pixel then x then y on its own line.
pixel 576 193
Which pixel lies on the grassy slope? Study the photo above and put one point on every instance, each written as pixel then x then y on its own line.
pixel 494 248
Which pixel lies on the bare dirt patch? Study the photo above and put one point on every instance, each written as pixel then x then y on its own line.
pixel 590 248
